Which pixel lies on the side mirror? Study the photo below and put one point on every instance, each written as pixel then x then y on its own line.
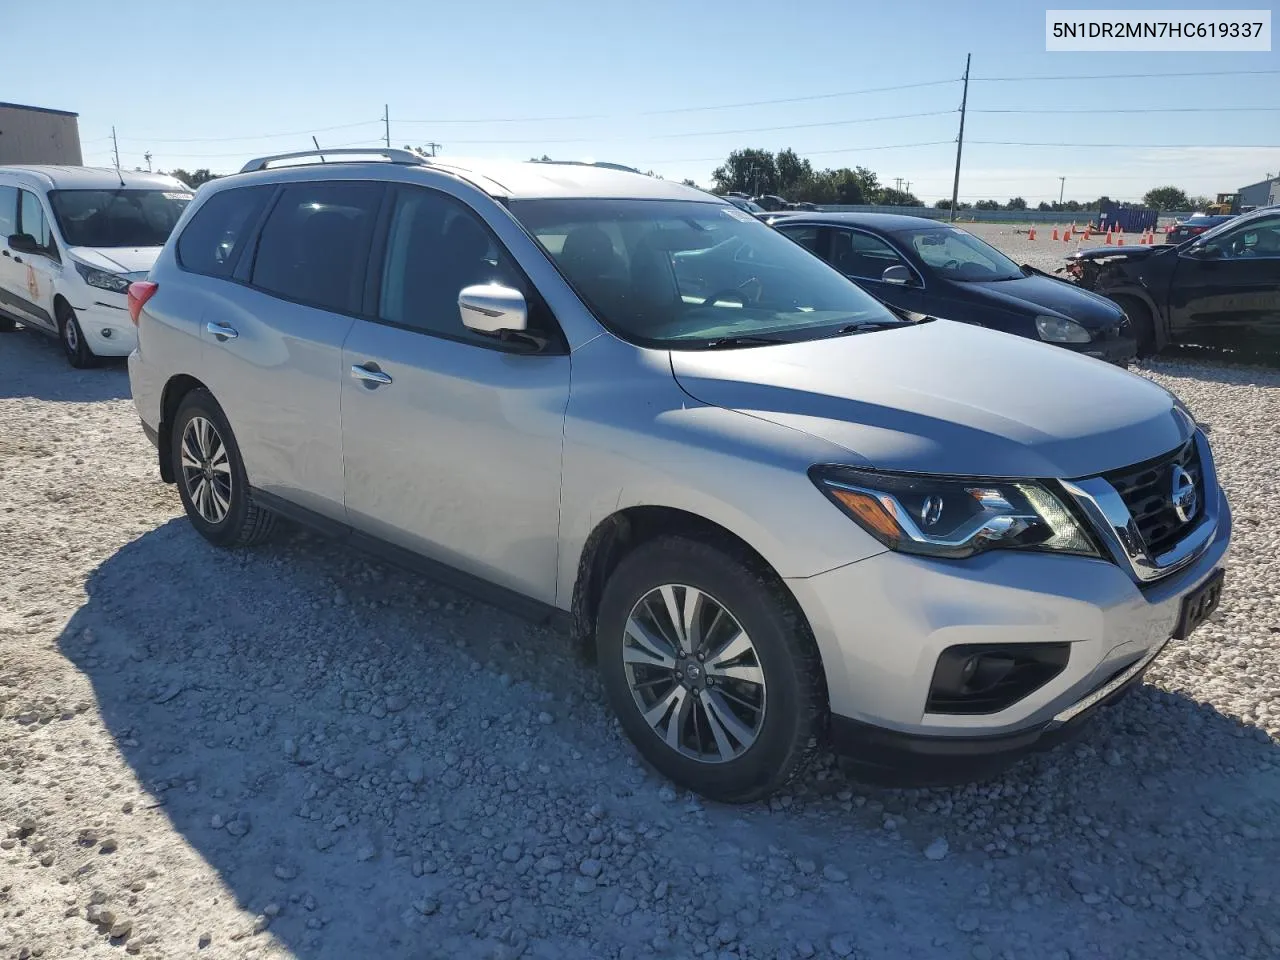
pixel 493 309
pixel 897 274
pixel 23 243
pixel 1205 251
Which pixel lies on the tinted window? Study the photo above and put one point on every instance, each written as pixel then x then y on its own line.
pixel 213 239
pixel 31 220
pixel 688 274
pixel 857 254
pixel 8 212
pixel 1257 239
pixel 807 237
pixel 315 243
pixel 117 218
pixel 436 247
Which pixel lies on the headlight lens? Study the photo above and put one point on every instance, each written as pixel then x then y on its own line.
pixel 101 279
pixel 949 517
pixel 1061 330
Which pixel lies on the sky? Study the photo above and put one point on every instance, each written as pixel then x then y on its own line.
pixel 655 85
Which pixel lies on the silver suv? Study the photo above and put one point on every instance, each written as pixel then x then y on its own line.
pixel 782 514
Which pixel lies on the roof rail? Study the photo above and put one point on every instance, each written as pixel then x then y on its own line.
pixel 395 156
pixel 592 163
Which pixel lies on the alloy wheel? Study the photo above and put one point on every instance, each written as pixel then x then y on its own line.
pixel 70 335
pixel 694 674
pixel 206 469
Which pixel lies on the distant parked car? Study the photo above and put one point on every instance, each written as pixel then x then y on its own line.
pixel 1218 289
pixel 927 268
pixel 771 202
pixel 743 203
pixel 1195 225
pixel 71 241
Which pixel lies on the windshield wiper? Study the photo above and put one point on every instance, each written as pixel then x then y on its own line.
pixel 743 340
pixel 866 326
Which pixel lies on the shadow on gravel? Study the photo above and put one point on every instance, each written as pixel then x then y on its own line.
pixel 377 763
pixel 42 372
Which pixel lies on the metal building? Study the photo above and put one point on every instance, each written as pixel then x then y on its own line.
pixel 1259 194
pixel 39 135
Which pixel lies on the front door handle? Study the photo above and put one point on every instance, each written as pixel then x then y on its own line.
pixel 369 373
pixel 222 331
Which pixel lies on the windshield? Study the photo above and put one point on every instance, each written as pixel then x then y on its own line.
pixel 956 255
pixel 117 218
pixel 682 273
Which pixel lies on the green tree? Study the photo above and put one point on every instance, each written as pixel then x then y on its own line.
pixel 1197 203
pixel 945 204
pixel 1016 203
pixel 749 171
pixel 794 173
pixel 1165 198
pixel 987 205
pixel 193 178
pixel 891 197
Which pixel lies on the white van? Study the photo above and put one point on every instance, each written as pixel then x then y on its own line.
pixel 72 239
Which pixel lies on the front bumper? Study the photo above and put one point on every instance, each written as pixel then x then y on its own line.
pixel 882 623
pixel 1117 350
pixel 107 327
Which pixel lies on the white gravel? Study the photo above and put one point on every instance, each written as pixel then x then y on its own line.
pixel 297 752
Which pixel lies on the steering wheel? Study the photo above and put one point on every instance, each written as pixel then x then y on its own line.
pixel 952 265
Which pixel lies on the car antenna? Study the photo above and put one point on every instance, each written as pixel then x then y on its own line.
pixel 317 143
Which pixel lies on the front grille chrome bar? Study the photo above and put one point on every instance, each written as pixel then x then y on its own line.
pixel 1118 530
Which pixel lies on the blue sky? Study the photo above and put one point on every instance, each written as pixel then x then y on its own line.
pixel 222 75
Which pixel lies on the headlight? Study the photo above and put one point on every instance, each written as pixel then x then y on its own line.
pixel 1061 330
pixel 949 517
pixel 101 279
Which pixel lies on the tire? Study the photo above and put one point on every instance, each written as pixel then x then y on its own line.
pixel 770 729
pixel 8 325
pixel 215 491
pixel 74 344
pixel 1144 327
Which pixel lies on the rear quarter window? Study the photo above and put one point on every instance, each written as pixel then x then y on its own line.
pixel 211 242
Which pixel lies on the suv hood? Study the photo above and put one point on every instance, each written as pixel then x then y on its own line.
pixel 944 397
pixel 1040 294
pixel 118 259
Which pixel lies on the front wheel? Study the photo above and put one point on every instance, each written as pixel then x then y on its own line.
pixel 74 344
pixel 211 476
pixel 1143 324
pixel 7 325
pixel 710 668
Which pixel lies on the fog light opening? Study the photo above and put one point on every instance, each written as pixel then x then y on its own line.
pixel 974 679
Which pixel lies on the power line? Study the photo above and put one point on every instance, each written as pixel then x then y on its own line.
pixel 1140 110
pixel 1131 146
pixel 812 153
pixel 264 136
pixel 1125 76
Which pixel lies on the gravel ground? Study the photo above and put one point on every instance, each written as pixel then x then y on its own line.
pixel 1042 252
pixel 297 752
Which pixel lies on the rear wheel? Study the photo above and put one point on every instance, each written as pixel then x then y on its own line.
pixel 73 340
pixel 711 668
pixel 211 477
pixel 1143 324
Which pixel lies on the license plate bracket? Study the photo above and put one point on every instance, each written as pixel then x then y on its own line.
pixel 1199 605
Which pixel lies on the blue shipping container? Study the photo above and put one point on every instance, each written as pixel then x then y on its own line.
pixel 1129 219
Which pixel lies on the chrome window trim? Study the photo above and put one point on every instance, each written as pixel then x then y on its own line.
pixel 1113 522
pixel 919 285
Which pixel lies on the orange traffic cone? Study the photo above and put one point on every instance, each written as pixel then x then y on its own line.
pixel 1067 236
pixel 1087 228
pixel 1031 234
pixel 1108 238
pixel 1120 241
pixel 1055 233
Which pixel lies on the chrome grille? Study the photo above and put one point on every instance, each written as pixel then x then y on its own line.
pixel 1147 490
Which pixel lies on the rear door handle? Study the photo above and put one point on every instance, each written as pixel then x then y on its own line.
pixel 17 259
pixel 222 331
pixel 369 373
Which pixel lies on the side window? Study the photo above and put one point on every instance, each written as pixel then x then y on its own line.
pixel 31 220
pixel 807 237
pixel 858 254
pixel 1259 239
pixel 437 246
pixel 314 246
pixel 212 240
pixel 8 212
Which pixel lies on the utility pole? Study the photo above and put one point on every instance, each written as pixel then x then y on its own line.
pixel 386 121
pixel 115 148
pixel 964 102
pixel 147 157
pixel 1062 185
pixel 434 146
